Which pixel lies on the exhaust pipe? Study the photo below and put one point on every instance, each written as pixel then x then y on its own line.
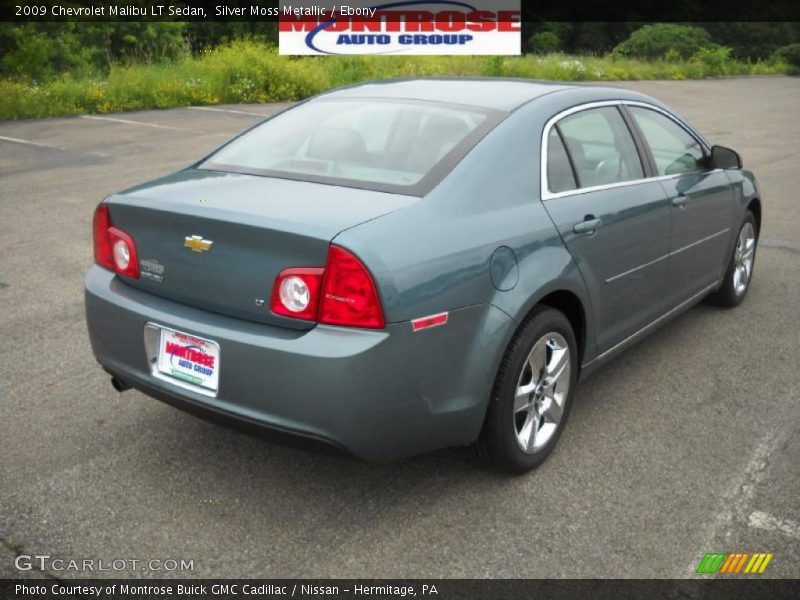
pixel 119 385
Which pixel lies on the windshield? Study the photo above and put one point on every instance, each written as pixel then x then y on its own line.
pixel 380 144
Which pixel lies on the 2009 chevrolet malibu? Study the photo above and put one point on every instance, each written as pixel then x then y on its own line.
pixel 397 267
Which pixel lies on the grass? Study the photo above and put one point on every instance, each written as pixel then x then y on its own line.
pixel 252 71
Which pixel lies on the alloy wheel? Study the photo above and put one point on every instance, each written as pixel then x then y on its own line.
pixel 743 258
pixel 541 392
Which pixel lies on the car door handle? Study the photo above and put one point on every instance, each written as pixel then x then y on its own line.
pixel 587 226
pixel 680 200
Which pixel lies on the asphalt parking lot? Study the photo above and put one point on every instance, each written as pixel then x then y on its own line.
pixel 686 444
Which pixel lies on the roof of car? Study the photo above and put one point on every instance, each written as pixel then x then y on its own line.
pixel 498 94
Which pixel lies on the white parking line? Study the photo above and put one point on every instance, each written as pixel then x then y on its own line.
pixel 777 243
pixel 762 520
pixel 13 140
pixel 29 143
pixel 228 110
pixel 128 122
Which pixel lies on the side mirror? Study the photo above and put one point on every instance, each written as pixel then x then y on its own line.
pixel 725 158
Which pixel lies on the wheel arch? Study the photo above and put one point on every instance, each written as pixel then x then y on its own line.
pixel 754 206
pixel 567 300
pixel 571 306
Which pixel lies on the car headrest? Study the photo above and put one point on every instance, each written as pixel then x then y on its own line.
pixel 443 128
pixel 337 143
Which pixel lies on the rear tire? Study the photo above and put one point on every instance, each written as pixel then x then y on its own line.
pixel 739 274
pixel 532 394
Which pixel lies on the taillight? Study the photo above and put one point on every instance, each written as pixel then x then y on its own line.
pixel 113 248
pixel 349 296
pixel 124 253
pixel 295 293
pixel 343 293
pixel 102 241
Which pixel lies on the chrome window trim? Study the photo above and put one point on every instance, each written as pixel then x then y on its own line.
pixel 545 192
pixel 676 119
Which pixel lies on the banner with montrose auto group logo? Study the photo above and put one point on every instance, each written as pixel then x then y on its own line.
pixel 399 28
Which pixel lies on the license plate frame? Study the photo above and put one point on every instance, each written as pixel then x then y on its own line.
pixel 185 360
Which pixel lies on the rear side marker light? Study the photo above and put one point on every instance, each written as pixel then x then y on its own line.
pixel 429 321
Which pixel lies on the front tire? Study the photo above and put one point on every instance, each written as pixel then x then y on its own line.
pixel 737 278
pixel 532 394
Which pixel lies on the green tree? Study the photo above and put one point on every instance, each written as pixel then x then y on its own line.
pixel 42 51
pixel 203 35
pixel 35 54
pixel 544 42
pixel 753 40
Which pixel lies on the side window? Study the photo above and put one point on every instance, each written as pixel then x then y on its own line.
pixel 601 147
pixel 674 150
pixel 559 171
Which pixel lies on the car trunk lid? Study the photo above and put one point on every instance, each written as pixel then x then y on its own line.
pixel 217 241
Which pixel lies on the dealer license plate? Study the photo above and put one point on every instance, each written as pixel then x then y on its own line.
pixel 189 358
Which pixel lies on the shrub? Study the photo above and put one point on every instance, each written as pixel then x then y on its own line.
pixel 715 58
pixel 494 67
pixel 655 41
pixel 790 55
pixel 544 42
pixel 252 71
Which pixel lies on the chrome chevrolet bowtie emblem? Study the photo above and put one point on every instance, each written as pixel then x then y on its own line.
pixel 196 243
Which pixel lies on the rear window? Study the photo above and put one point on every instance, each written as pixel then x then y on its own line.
pixel 402 146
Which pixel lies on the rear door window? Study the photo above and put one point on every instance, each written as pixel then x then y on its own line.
pixel 601 147
pixel 560 177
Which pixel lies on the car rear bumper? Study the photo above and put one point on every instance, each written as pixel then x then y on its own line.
pixel 376 394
